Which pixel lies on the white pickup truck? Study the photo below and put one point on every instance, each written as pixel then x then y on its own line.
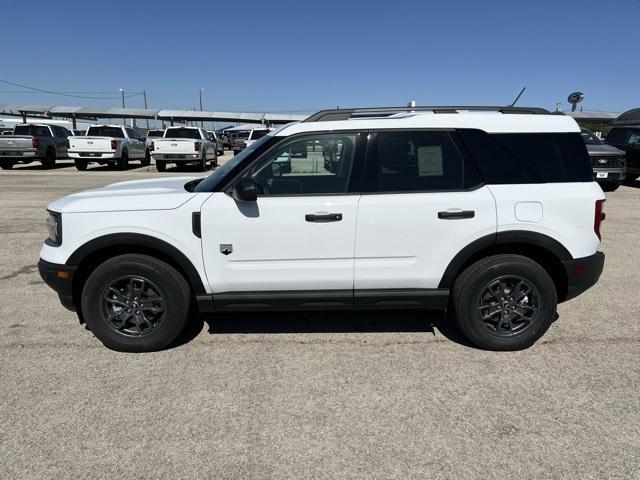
pixel 106 144
pixel 184 145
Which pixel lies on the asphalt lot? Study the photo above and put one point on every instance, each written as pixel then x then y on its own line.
pixel 313 395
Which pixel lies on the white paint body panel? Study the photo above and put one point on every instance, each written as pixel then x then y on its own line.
pixel 401 242
pixel 569 212
pixel 274 248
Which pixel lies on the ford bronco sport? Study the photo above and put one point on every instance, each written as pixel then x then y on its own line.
pixel 491 212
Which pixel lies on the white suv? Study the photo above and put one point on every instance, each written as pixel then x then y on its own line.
pixel 489 211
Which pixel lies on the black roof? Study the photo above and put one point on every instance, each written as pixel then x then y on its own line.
pixel 630 117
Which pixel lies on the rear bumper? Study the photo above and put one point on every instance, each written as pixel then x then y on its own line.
pixel 92 155
pixel 60 278
pixel 582 273
pixel 176 157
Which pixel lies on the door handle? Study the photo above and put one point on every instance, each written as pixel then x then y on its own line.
pixel 323 217
pixel 456 214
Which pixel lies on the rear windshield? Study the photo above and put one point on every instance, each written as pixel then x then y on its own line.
pixel 155 133
pixel 258 134
pixel 244 134
pixel 182 133
pixel 33 130
pixel 105 132
pixel 529 157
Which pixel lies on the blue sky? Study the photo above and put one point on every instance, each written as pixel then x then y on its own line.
pixel 303 56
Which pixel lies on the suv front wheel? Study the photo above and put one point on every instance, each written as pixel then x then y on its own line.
pixel 504 302
pixel 135 303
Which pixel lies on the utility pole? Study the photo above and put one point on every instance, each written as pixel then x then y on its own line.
pixel 124 120
pixel 201 121
pixel 144 94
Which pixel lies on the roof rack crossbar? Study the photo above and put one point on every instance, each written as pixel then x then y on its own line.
pixel 348 113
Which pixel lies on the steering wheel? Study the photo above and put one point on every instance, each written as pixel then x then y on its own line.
pixel 263 187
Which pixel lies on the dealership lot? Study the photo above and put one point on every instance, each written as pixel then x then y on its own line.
pixel 308 395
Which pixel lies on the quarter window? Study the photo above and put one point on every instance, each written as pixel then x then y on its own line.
pixel 315 164
pixel 412 161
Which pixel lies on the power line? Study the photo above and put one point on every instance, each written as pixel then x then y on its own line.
pixel 68 94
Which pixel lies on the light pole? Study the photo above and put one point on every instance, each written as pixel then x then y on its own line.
pixel 201 121
pixel 144 94
pixel 124 120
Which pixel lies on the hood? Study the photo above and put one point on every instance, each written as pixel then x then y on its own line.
pixel 154 194
pixel 603 150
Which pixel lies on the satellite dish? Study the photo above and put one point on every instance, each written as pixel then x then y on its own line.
pixel 574 99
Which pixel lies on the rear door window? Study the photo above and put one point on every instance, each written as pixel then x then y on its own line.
pixel 414 161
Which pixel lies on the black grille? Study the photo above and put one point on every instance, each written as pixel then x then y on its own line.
pixel 607 162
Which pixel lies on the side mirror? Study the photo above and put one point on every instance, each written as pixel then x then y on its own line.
pixel 245 190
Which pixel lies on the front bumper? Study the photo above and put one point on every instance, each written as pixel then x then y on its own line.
pixel 60 278
pixel 610 174
pixel 582 273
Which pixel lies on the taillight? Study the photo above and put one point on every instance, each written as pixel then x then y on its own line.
pixel 152 147
pixel 114 144
pixel 599 217
pixel 35 143
pixel 197 145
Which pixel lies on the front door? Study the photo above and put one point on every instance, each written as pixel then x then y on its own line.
pixel 299 236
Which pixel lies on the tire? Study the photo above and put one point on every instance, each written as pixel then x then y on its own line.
pixel 80 164
pixel 134 277
pixel 6 164
pixel 146 161
pixel 610 186
pixel 214 164
pixel 236 152
pixel 470 300
pixel 123 161
pixel 202 164
pixel 161 165
pixel 49 160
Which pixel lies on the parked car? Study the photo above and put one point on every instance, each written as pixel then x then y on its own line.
pixel 627 138
pixel 608 162
pixel 245 138
pixel 222 135
pixel 34 142
pixel 109 144
pixel 153 135
pixel 182 145
pixel 213 136
pixel 495 216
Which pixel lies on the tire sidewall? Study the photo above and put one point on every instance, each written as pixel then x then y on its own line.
pixel 171 290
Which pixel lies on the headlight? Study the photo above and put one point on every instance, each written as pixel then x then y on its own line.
pixel 54 226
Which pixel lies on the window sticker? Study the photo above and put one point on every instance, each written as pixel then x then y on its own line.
pixel 430 162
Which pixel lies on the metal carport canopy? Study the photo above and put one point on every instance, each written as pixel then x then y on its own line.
pixel 229 116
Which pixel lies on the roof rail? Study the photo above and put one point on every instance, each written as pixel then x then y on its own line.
pixel 354 113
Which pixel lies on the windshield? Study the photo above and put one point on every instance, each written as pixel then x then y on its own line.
pixel 210 183
pixel 33 130
pixel 105 132
pixel 155 133
pixel 182 133
pixel 590 138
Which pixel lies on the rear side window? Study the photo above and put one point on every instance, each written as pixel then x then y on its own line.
pixel 413 161
pixel 258 134
pixel 529 157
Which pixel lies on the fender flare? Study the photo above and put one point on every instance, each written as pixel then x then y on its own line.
pixel 526 237
pixel 115 240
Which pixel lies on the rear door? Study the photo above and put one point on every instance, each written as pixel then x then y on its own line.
pixel 424 202
pixel 299 236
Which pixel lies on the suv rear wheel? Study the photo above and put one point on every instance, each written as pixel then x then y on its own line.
pixel 81 164
pixel 123 161
pixel 504 302
pixel 161 165
pixel 49 160
pixel 135 303
pixel 6 164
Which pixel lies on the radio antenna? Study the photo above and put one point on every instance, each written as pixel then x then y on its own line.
pixel 518 97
